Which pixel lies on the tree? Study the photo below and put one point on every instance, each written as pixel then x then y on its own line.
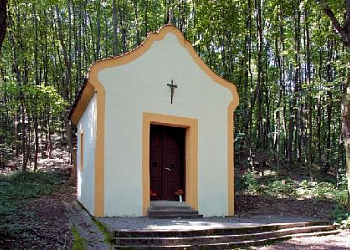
pixel 344 33
pixel 3 24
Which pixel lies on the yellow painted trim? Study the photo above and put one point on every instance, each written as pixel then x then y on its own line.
pixel 191 162
pixel 83 102
pixel 100 126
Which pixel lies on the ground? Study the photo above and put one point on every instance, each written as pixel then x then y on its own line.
pixel 336 242
pixel 48 227
pixel 252 205
pixel 41 224
pixel 49 220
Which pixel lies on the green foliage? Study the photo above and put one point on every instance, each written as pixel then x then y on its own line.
pixel 268 184
pixel 322 190
pixel 39 98
pixel 282 188
pixel 341 217
pixel 271 184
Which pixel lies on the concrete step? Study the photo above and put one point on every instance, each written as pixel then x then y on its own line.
pixel 227 245
pixel 214 231
pixel 169 205
pixel 218 239
pixel 182 208
pixel 171 210
pixel 176 216
pixel 192 239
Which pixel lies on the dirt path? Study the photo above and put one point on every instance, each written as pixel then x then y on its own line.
pixel 330 242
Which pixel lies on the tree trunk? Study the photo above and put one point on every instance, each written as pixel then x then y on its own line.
pixel 309 98
pixel 345 120
pixel 3 24
pixel 344 33
pixel 346 134
pixel 115 29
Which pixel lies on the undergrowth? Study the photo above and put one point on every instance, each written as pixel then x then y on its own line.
pixel 18 189
pixel 270 183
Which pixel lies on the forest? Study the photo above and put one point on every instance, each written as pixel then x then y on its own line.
pixel 290 62
pixel 288 59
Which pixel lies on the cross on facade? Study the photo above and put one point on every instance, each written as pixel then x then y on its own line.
pixel 172 87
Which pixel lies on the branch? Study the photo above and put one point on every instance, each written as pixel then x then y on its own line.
pixel 329 12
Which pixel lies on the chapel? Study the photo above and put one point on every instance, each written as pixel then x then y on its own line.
pixel 155 124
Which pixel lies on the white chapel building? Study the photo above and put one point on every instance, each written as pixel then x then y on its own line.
pixel 152 123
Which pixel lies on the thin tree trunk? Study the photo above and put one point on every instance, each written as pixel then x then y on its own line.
pixel 98 31
pixel 3 24
pixel 123 28
pixel 115 29
pixel 344 33
pixel 309 98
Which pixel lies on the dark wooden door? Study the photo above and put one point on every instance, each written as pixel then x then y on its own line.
pixel 167 146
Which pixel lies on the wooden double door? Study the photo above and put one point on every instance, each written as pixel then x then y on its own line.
pixel 167 162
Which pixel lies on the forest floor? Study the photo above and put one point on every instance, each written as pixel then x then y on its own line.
pixel 248 205
pixel 36 223
pixel 34 214
pixel 43 224
pixel 32 211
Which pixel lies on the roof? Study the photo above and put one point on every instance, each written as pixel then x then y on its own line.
pixel 77 98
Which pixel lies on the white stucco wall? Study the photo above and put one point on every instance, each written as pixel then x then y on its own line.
pixel 141 86
pixel 85 173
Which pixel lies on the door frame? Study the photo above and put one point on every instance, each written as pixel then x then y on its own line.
pixel 191 155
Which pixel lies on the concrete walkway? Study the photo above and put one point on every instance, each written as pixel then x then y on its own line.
pixel 145 223
pixel 93 238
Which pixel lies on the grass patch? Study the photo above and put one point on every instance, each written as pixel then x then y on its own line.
pixel 78 243
pixel 103 229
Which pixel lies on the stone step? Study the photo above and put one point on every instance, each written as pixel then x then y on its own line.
pixel 213 231
pixel 176 216
pixel 169 205
pixel 218 239
pixel 227 245
pixel 182 208
pixel 171 210
pixel 173 214
pixel 152 211
pixel 317 234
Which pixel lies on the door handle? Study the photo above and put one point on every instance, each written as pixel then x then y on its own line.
pixel 168 169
